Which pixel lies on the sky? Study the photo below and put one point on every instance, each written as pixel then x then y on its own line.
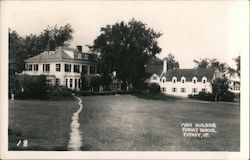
pixel 191 29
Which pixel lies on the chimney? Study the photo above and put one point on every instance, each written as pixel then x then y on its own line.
pixel 165 65
pixel 51 45
pixel 79 48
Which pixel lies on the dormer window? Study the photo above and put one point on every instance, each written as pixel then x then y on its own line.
pixel 79 56
pixel 183 79
pixel 194 80
pixel 174 79
pixel 163 80
pixel 204 80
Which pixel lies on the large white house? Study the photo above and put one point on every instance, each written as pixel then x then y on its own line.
pixel 62 66
pixel 182 82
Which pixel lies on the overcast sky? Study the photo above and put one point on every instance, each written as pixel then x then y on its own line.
pixel 191 29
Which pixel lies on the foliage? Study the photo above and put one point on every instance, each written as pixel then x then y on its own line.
pixel 126 48
pixel 211 63
pixel 219 86
pixel 58 92
pixel 237 61
pixel 27 86
pixel 203 96
pixel 36 87
pixel 21 48
pixel 227 96
pixel 155 61
pixel 90 82
pixel 154 88
pixel 171 62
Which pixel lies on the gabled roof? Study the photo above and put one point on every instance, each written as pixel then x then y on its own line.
pixel 60 54
pixel 189 74
pixel 151 69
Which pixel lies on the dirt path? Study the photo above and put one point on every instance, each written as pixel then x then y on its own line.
pixel 75 140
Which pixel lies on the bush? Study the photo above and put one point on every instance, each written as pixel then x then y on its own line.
pixel 35 87
pixel 59 92
pixel 227 96
pixel 27 86
pixel 203 96
pixel 154 88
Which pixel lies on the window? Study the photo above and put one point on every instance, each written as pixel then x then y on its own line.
pixel 79 83
pixel 204 90
pixel 183 79
pixel 76 69
pixel 204 80
pixel 92 69
pixel 194 79
pixel 66 82
pixel 163 80
pixel 46 67
pixel 163 89
pixel 58 67
pixel 174 79
pixel 30 67
pixel 70 83
pixel 79 56
pixel 194 90
pixel 67 67
pixel 174 89
pixel 75 83
pixel 57 81
pixel 35 67
pixel 183 90
pixel 85 57
pixel 85 69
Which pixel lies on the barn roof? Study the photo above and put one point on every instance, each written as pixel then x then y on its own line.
pixel 189 74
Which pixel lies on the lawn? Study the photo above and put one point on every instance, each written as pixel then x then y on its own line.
pixel 44 124
pixel 135 123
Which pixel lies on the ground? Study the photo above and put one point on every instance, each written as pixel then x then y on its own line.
pixel 126 123
pixel 130 123
pixel 45 124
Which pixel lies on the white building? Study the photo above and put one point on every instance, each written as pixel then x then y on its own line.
pixel 62 66
pixel 182 82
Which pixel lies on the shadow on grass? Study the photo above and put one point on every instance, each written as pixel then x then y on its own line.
pixel 154 96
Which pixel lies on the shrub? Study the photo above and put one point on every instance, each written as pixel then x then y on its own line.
pixel 227 96
pixel 59 91
pixel 30 87
pixel 203 96
pixel 154 88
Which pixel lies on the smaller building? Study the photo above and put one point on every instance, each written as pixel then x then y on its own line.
pixel 181 82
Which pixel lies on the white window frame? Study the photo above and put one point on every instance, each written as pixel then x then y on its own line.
pixel 194 80
pixel 174 80
pixel 183 80
pixel 204 79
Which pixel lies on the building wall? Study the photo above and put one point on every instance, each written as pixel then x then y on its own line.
pixel 61 75
pixel 167 88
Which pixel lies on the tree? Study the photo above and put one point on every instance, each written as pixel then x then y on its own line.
pixel 237 61
pixel 203 63
pixel 171 62
pixel 211 63
pixel 21 48
pixel 126 48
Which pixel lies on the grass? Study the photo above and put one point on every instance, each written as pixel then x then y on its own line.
pixel 130 123
pixel 139 122
pixel 45 124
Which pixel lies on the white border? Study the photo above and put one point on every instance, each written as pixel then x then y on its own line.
pixel 5 154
